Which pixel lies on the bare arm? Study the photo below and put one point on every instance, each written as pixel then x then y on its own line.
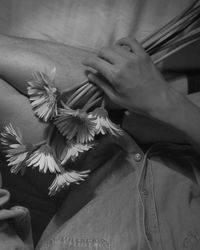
pixel 20 57
pixel 16 109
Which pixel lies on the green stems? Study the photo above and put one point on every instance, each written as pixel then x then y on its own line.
pixel 93 100
pixel 170 31
pixel 36 145
pixel 175 50
pixel 50 135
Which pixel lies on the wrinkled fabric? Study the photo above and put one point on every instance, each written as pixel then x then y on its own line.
pixel 132 200
pixel 15 228
pixel 87 24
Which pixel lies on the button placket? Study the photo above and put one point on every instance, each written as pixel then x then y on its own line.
pixel 148 234
pixel 144 192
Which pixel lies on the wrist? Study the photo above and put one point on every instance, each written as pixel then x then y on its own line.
pixel 170 102
pixel 179 113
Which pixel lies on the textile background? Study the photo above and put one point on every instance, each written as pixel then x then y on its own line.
pixel 85 23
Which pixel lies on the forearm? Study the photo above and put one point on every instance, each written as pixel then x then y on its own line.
pixel 15 109
pixel 180 113
pixel 147 130
pixel 20 57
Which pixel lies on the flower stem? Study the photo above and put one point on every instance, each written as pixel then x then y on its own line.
pixel 81 94
pixel 50 135
pixel 175 50
pixel 62 170
pixel 179 27
pixel 40 143
pixel 93 100
pixel 103 103
pixel 88 95
pixel 63 104
pixel 177 42
pixel 75 87
pixel 175 26
pixel 77 92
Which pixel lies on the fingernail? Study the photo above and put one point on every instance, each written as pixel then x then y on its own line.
pixel 84 61
pixel 90 76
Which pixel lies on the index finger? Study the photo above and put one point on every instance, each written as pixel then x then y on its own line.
pixel 134 45
pixel 100 65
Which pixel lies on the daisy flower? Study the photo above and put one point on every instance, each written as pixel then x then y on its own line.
pixel 44 159
pixel 104 124
pixel 75 124
pixel 16 149
pixel 72 151
pixel 43 95
pixel 65 179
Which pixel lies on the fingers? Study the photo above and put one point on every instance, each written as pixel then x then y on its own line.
pixel 102 84
pixel 123 51
pixel 100 65
pixel 133 45
pixel 108 60
pixel 110 55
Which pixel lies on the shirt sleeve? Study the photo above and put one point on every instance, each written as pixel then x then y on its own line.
pixel 193 83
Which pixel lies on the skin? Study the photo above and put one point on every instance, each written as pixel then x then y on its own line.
pixel 133 82
pixel 20 57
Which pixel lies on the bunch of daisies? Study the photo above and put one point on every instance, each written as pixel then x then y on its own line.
pixel 80 124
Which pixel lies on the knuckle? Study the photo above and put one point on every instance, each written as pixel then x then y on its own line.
pixel 103 51
pixel 113 75
pixel 125 41
pixel 146 55
pixel 121 40
pixel 129 64
pixel 147 58
pixel 91 60
pixel 118 74
pixel 128 39
pixel 143 59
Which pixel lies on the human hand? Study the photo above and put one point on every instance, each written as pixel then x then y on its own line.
pixel 129 78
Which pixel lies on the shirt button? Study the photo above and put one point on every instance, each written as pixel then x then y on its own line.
pixel 138 157
pixel 145 192
pixel 127 113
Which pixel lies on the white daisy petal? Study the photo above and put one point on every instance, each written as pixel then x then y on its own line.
pixel 44 159
pixel 72 150
pixel 15 148
pixel 65 179
pixel 43 95
pixel 104 124
pixel 75 124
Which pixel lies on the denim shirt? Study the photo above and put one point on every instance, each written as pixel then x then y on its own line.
pixel 131 201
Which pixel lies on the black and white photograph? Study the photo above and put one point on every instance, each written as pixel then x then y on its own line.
pixel 99 124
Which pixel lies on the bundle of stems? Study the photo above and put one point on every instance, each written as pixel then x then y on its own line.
pixel 177 34
pixel 169 33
